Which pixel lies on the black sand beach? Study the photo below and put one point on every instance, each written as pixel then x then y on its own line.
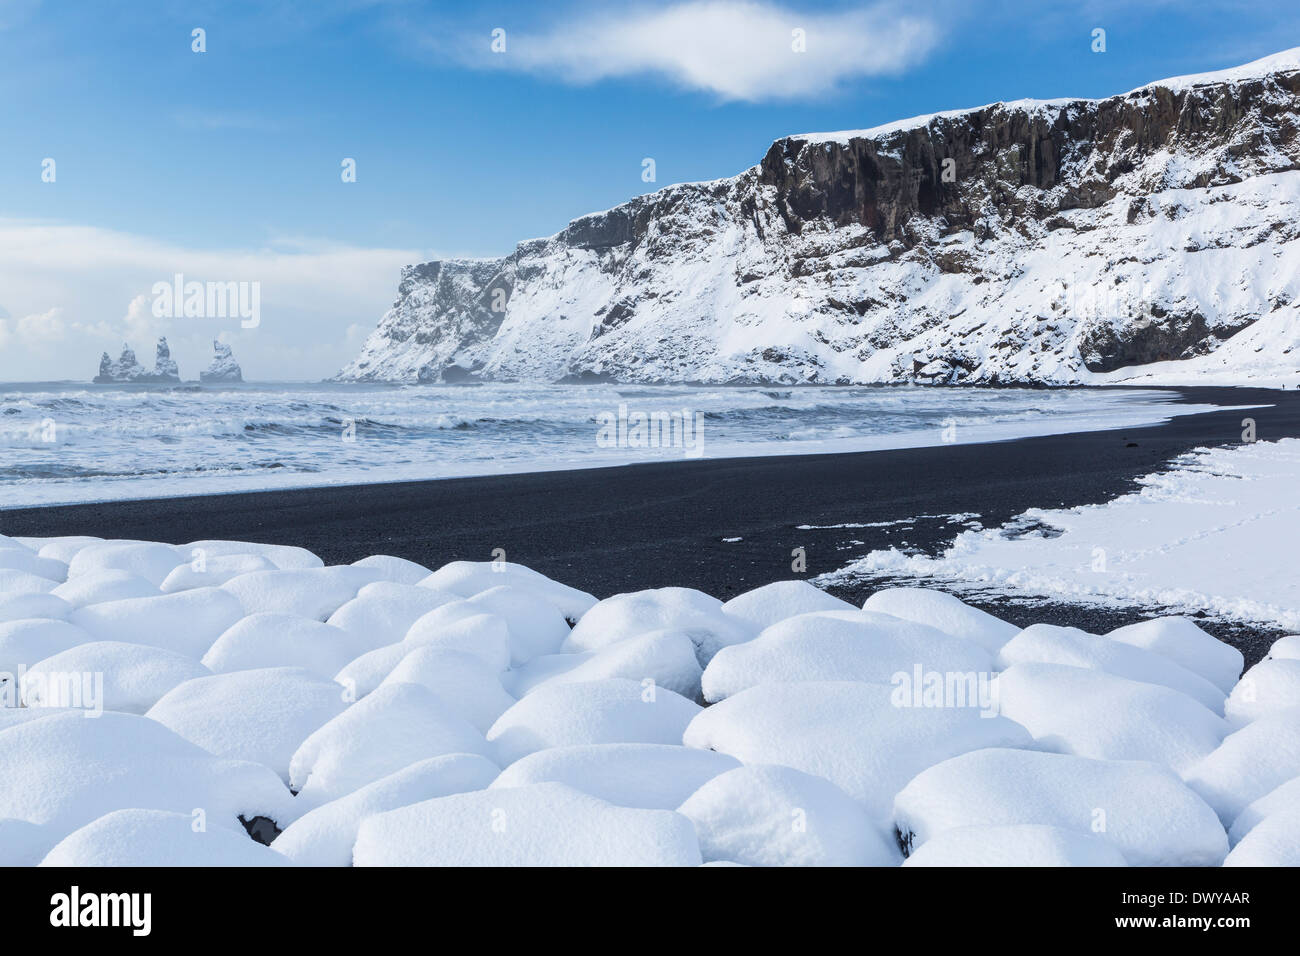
pixel 653 525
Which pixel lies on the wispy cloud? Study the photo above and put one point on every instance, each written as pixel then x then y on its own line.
pixel 736 49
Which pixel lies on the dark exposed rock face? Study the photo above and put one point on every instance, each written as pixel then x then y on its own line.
pixel 1021 242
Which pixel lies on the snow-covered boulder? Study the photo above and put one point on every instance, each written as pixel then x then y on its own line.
pixel 463 627
pixel 1270 686
pixel 157 838
pixel 308 592
pixel 1091 713
pixel 536 627
pixel 762 607
pixel 466 685
pixel 286 557
pixel 629 615
pixel 853 734
pixel 838 646
pixel 24 643
pixel 610 711
pixel 1020 844
pixel 1274 841
pixel 187 622
pixel 1180 640
pixel 380 734
pixel 23 843
pixel 1279 798
pixel 468 578
pixel 666 657
pixel 258 715
pixel 98 587
pixel 282 640
pixel 63 547
pixel 134 676
pixel 1143 810
pixel 17 607
pixel 395 569
pixel 148 559
pixel 214 571
pixel 1049 644
pixel 383 612
pixel 66 770
pixel 764 815
pixel 20 559
pixel 945 613
pixel 648 776
pixel 547 824
pixel 1285 648
pixel 324 836
pixel 1249 763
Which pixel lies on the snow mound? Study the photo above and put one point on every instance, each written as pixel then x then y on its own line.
pixel 284 556
pixel 383 732
pixel 383 612
pixel 1143 810
pixel 765 606
pixel 1091 713
pixel 536 627
pixel 547 824
pixel 853 734
pixel 839 645
pixel 1184 643
pixel 18 559
pixel 213 572
pixel 610 711
pixel 324 836
pixel 23 843
pixel 945 613
pixel 66 770
pixel 1285 648
pixel 187 622
pixel 309 592
pixel 17 607
pixel 666 657
pixel 258 715
pixel 628 615
pixel 647 776
pixel 468 578
pixel 64 548
pixel 462 627
pixel 776 816
pixel 25 643
pixel 1274 841
pixel 149 560
pixel 282 640
pixel 96 587
pixel 1049 644
pixel 467 686
pixel 1249 763
pixel 397 570
pixel 13 581
pixel 157 838
pixel 134 676
pixel 1022 844
pixel 1279 798
pixel 1268 687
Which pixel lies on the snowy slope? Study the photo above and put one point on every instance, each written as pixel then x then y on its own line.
pixel 1149 236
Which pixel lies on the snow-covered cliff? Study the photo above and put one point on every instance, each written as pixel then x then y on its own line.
pixel 224 368
pixel 1149 236
pixel 128 369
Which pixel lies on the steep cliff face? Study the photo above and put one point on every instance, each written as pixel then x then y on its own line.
pixel 1061 242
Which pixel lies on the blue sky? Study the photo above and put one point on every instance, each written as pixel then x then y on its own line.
pixel 230 159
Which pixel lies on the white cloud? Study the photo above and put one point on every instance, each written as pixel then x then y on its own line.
pixel 736 49
pixel 78 291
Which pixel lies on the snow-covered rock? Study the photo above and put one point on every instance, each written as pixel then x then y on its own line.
pixel 128 370
pixel 98 587
pixel 282 640
pixel 324 836
pixel 1091 713
pixel 187 622
pixel 776 816
pixel 839 646
pixel 397 570
pixel 257 715
pixel 214 571
pixel 308 592
pixel 387 730
pixel 1270 686
pixel 944 613
pixel 24 643
pixel 1143 810
pixel 1184 643
pixel 17 607
pixel 629 615
pixel 1249 763
pixel 852 734
pixel 383 612
pixel 157 838
pixel 134 676
pixel 148 559
pixel 1274 841
pixel 284 556
pixel 609 711
pixel 648 776
pixel 762 607
pixel 1279 798
pixel 468 578
pixel 460 680
pixel 1285 648
pixel 667 657
pixel 547 824
pixel 1022 844
pixel 1049 644
pixel 463 627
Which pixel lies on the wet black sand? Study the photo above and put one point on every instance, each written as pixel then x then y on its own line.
pixel 653 525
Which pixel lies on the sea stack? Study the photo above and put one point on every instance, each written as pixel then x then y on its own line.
pixel 224 368
pixel 128 370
